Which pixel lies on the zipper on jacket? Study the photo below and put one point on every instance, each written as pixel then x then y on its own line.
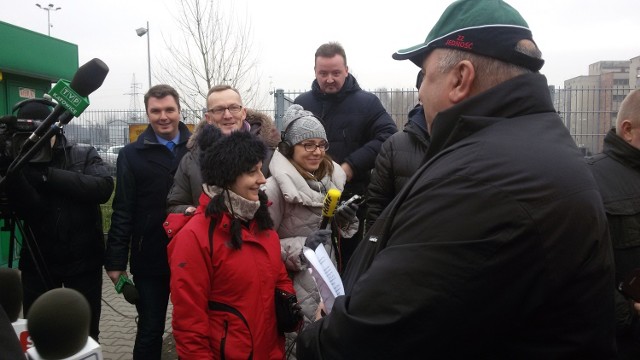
pixel 223 341
pixel 144 228
pixel 218 306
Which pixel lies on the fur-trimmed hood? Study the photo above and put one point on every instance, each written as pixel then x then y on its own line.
pixel 261 125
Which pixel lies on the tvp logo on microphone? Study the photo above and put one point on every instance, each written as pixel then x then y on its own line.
pixel 68 98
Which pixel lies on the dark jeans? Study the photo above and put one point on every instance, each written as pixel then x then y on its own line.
pixel 152 311
pixel 88 284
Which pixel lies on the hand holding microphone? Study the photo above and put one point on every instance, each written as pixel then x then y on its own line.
pixel 125 287
pixel 329 207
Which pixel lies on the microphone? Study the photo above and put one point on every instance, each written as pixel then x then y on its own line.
pixel 72 100
pixel 329 207
pixel 58 322
pixel 11 294
pixel 13 335
pixel 71 97
pixel 125 287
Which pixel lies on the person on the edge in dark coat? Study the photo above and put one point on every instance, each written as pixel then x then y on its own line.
pixel 498 247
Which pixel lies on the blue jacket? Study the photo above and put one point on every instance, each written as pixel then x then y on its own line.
pixel 145 171
pixel 356 124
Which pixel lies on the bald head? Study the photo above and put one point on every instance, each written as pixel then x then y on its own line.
pixel 628 121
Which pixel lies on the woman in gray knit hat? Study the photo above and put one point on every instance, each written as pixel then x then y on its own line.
pixel 301 175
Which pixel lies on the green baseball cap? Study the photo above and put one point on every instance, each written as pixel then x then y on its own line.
pixel 484 27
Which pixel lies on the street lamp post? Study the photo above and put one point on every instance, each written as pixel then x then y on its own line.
pixel 49 9
pixel 141 32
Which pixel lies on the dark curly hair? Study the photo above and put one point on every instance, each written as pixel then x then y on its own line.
pixel 222 160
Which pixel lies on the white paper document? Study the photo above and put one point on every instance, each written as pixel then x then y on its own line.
pixel 325 275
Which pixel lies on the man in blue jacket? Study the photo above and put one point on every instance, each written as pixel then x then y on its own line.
pixel 498 247
pixel 145 171
pixel 355 121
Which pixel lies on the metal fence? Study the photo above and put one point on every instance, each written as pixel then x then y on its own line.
pixel 588 113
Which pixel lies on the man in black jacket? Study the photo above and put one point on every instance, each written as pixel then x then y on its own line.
pixel 59 201
pixel 617 172
pixel 355 121
pixel 399 158
pixel 145 171
pixel 498 247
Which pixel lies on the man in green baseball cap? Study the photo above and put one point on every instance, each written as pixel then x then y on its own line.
pixel 498 247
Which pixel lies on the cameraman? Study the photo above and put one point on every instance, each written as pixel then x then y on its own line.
pixel 59 201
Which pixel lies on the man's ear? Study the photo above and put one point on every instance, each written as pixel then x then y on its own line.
pixel 624 130
pixel 462 76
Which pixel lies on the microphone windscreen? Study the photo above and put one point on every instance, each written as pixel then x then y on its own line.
pixel 11 292
pixel 331 202
pixel 89 77
pixel 58 323
pixel 130 293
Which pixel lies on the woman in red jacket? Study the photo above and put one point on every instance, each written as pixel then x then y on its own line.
pixel 225 260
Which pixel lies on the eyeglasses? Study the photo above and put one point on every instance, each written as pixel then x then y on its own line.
pixel 219 111
pixel 311 147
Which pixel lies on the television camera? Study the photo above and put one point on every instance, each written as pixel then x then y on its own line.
pixel 16 129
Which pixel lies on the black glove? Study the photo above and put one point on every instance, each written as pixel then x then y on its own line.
pixel 346 215
pixel 317 237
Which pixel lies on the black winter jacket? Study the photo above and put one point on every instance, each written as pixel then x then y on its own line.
pixel 60 203
pixel 497 248
pixel 399 158
pixel 617 172
pixel 145 175
pixel 356 124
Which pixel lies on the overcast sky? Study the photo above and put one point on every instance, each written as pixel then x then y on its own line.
pixel 571 34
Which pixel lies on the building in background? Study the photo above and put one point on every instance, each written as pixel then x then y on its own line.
pixel 590 102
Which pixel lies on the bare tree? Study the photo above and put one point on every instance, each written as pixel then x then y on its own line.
pixel 215 47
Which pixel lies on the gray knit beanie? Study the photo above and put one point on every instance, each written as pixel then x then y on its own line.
pixel 300 124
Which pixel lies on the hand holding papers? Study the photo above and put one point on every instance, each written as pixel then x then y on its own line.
pixel 325 274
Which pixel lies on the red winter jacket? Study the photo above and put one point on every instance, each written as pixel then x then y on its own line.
pixel 242 284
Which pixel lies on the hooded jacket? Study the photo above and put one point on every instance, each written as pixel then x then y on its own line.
pixel 187 183
pixel 497 248
pixel 223 299
pixel 617 173
pixel 356 124
pixel 399 158
pixel 145 174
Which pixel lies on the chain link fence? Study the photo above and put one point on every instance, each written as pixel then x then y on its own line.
pixel 587 112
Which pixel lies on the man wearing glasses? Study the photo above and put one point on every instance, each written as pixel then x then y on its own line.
pixel 225 111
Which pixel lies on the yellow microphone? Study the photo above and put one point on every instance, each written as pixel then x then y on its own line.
pixel 329 207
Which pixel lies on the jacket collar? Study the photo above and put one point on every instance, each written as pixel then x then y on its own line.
pixel 295 188
pixel 350 85
pixel 618 149
pixel 523 95
pixel 148 137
